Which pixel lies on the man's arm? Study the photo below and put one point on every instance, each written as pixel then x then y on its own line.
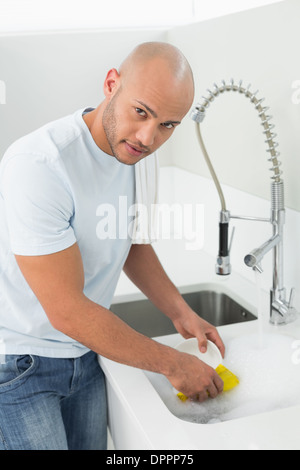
pixel 144 269
pixel 58 280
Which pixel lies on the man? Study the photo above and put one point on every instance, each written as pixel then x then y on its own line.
pixel 58 278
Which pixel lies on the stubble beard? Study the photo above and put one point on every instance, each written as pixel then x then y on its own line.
pixel 109 123
pixel 110 126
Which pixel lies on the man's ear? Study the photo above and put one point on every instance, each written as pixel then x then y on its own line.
pixel 111 82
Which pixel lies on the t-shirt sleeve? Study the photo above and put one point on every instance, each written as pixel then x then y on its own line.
pixel 38 206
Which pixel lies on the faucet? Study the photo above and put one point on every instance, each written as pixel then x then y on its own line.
pixel 281 310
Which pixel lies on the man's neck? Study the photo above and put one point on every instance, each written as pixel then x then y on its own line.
pixel 93 120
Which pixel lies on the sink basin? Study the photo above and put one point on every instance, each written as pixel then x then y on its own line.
pixel 216 307
pixel 140 417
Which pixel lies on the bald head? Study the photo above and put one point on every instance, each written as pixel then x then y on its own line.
pixel 159 53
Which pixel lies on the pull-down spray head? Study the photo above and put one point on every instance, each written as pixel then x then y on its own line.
pixel 223 266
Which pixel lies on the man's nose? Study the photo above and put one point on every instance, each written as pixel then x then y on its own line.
pixel 146 134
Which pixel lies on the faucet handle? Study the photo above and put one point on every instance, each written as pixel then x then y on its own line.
pixel 257 267
pixel 291 299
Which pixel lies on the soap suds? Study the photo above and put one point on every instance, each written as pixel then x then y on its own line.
pixel 269 380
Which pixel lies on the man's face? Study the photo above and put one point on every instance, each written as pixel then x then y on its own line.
pixel 143 113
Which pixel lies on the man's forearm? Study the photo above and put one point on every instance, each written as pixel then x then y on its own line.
pixel 102 331
pixel 146 272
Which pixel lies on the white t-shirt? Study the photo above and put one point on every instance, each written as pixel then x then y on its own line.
pixel 58 188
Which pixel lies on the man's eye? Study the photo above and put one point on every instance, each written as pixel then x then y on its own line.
pixel 168 125
pixel 141 112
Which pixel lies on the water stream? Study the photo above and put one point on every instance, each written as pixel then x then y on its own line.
pixel 260 310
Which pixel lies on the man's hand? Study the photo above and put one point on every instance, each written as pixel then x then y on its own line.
pixel 195 379
pixel 190 325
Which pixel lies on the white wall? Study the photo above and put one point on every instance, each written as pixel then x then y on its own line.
pixel 51 75
pixel 260 46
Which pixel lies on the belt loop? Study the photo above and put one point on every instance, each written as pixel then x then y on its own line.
pixel 2 358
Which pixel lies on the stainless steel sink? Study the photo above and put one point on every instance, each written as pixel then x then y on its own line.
pixel 215 307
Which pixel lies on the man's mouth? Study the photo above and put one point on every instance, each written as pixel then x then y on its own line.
pixel 135 151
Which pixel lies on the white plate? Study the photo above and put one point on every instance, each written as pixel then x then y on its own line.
pixel 211 357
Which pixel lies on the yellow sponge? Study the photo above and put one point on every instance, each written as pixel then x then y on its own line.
pixel 182 397
pixel 230 381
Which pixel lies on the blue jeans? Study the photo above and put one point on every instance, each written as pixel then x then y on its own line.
pixel 52 404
